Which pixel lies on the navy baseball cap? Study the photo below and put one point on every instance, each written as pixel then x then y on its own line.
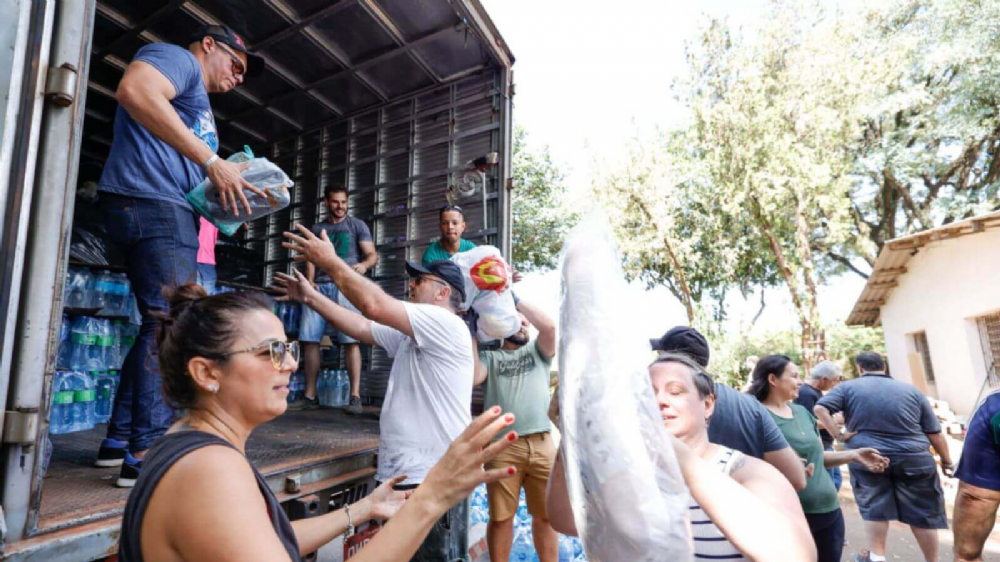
pixel 684 340
pixel 225 34
pixel 446 270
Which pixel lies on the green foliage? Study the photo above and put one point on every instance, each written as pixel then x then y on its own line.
pixel 731 351
pixel 540 217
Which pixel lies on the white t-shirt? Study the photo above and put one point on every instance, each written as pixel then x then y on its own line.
pixel 429 398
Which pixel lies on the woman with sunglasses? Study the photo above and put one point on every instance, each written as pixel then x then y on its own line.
pixel 226 360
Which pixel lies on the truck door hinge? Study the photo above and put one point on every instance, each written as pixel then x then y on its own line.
pixel 60 85
pixel 20 427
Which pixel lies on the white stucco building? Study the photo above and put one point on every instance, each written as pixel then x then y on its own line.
pixel 936 295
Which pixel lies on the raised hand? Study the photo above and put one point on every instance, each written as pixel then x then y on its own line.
pixel 296 288
pixel 316 250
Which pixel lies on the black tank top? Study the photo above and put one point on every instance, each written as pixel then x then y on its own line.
pixel 168 450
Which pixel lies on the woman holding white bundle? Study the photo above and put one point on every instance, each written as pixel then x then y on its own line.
pixel 741 507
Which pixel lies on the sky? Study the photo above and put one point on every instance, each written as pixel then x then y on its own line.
pixel 592 76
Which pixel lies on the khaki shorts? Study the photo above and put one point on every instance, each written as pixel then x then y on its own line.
pixel 533 456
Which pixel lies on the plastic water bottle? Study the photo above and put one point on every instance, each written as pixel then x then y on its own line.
pixel 61 416
pixel 105 387
pixel 321 387
pixel 83 402
pixel 81 340
pixel 98 288
pixel 523 550
pixel 104 354
pixel 77 293
pixel 565 549
pixel 65 342
pixel 117 290
pixel 294 314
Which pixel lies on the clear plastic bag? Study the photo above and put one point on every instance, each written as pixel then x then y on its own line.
pixel 487 291
pixel 260 173
pixel 628 495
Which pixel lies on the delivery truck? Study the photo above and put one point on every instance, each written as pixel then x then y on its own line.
pixel 393 98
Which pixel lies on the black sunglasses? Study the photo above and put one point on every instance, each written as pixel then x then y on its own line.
pixel 455 208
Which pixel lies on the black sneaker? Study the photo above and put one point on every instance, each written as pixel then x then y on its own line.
pixel 130 472
pixel 304 404
pixel 355 406
pixel 111 454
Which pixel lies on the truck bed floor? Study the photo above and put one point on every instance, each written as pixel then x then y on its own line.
pixel 74 491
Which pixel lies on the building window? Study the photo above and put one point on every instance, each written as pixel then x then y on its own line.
pixel 920 343
pixel 989 335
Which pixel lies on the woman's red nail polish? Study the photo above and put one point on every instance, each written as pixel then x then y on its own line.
pixel 509 418
pixel 496 409
pixel 510 470
pixel 511 436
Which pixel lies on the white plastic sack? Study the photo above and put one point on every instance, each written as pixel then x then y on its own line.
pixel 260 173
pixel 487 291
pixel 628 495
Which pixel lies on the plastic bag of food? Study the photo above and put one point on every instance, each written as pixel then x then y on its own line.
pixel 487 291
pixel 628 495
pixel 260 173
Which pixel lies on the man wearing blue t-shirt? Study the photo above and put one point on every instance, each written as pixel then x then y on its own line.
pixel 165 144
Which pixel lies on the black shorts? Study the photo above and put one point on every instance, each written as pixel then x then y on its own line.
pixel 908 492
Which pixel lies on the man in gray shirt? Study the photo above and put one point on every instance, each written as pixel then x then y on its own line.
pixel 353 242
pixel 897 419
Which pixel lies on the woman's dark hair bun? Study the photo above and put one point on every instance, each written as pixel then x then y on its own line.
pixel 197 325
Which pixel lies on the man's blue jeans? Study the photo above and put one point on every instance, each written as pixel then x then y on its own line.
pixel 160 243
pixel 838 477
pixel 207 277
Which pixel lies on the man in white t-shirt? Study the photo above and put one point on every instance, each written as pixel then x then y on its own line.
pixel 429 398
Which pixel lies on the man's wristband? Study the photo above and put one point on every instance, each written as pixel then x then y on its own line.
pixel 210 161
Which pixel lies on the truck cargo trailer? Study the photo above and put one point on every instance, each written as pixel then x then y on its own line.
pixel 391 98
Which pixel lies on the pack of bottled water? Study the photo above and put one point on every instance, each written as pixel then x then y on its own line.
pixel 73 402
pixel 77 293
pixel 333 388
pixel 296 386
pixel 523 547
pixel 65 342
pixel 117 288
pixel 289 314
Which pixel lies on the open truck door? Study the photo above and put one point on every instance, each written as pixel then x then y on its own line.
pixel 44 54
pixel 390 97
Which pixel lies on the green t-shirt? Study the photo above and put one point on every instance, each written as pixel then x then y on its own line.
pixel 802 434
pixel 435 252
pixel 518 381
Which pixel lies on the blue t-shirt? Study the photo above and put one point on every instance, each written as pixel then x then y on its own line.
pixel 740 422
pixel 142 165
pixel 891 416
pixel 980 463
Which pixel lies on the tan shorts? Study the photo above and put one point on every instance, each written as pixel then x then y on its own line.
pixel 533 456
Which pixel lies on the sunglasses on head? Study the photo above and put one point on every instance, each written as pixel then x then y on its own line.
pixel 454 208
pixel 277 350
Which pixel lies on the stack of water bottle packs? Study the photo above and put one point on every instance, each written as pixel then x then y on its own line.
pixel 296 386
pixel 289 313
pixel 92 349
pixel 523 549
pixel 333 388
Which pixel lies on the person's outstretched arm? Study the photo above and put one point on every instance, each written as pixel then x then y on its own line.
pixel 545 325
pixel 752 508
pixel 373 303
pixel 299 289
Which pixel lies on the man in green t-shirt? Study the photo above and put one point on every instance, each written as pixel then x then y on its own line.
pixel 518 382
pixel 451 220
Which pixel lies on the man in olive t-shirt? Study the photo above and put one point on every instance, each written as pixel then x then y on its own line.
pixel 517 379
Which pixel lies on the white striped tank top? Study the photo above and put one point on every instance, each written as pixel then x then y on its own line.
pixel 709 542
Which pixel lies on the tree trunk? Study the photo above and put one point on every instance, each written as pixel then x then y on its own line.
pixel 804 311
pixel 814 348
pixel 675 263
